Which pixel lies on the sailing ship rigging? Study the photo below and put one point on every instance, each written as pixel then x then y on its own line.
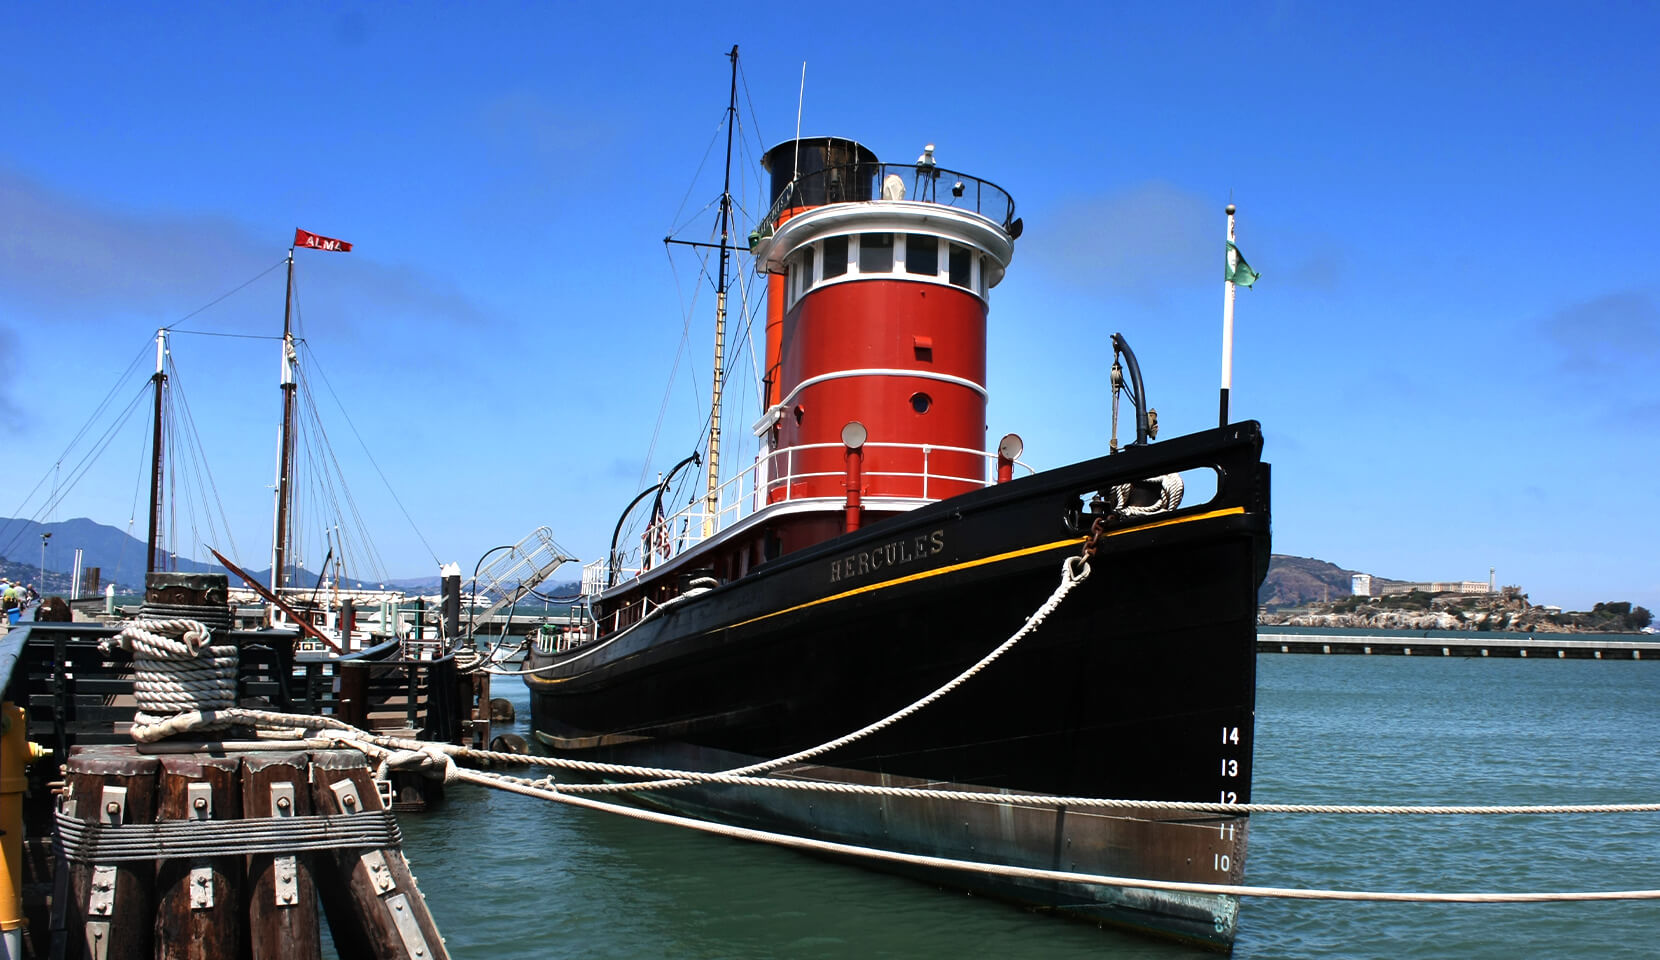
pixel 180 479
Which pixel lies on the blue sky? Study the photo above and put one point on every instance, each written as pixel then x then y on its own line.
pixel 1452 350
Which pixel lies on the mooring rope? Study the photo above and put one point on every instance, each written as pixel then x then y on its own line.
pixel 176 668
pixel 394 752
pixel 156 646
pixel 1074 570
pixel 559 795
pixel 443 756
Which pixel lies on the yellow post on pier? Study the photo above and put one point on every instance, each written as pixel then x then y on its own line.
pixel 16 752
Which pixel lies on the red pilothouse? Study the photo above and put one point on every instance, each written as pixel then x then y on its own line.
pixel 877 314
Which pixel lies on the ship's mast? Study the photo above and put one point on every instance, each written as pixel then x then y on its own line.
pixel 153 562
pixel 285 440
pixel 712 498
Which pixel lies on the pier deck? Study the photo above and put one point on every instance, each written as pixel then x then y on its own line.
pixel 1436 643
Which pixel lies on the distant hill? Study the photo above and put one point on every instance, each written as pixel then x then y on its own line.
pixel 119 556
pixel 1294 581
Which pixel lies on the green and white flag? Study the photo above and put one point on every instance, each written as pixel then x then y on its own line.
pixel 1242 274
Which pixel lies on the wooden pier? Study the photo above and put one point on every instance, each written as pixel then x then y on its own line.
pixel 1442 643
pixel 206 847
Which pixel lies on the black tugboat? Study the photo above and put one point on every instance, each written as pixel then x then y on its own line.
pixel 875 550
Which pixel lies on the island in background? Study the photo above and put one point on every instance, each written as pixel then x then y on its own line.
pixel 1305 592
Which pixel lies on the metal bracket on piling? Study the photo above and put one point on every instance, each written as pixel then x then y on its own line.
pixel 285 869
pixel 97 941
pixel 199 797
pixel 101 903
pixel 345 792
pixel 101 899
pixel 409 930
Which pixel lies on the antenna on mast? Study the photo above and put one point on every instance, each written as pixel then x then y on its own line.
pixel 800 101
pixel 712 496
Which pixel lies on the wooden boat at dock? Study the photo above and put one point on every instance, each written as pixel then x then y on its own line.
pixel 876 549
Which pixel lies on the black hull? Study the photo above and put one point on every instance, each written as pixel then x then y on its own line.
pixel 1140 686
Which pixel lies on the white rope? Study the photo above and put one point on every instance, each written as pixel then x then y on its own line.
pixel 439 759
pixel 396 753
pixel 1074 570
pixel 560 795
pixel 176 668
pixel 1170 497
pixel 435 756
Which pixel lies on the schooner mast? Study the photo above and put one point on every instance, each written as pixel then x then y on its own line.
pixel 285 438
pixel 153 554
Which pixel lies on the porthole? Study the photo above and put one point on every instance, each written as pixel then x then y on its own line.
pixel 920 402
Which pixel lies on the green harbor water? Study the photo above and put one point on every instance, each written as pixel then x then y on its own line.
pixel 508 877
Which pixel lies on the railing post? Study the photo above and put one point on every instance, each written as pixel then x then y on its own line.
pixel 1008 450
pixel 853 439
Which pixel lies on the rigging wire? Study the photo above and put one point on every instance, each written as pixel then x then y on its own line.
pixel 238 336
pixel 312 361
pixel 325 468
pixel 224 296
pixel 138 485
pixel 356 543
pixel 744 79
pixel 668 389
pixel 193 443
pixel 744 340
pixel 51 471
pixel 81 467
pixel 713 139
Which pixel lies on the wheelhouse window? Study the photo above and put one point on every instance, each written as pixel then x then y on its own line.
pixel 915 256
pixel 922 254
pixel 875 253
pixel 835 257
pixel 961 267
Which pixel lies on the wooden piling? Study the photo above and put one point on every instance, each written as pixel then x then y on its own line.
pixel 108 911
pixel 199 909
pixel 230 905
pixel 370 897
pixel 282 893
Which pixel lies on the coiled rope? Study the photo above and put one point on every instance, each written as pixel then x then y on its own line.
pixel 176 668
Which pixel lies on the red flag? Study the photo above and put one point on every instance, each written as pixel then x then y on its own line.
pixel 316 242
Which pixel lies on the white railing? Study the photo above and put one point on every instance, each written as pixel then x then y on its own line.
pixel 774 478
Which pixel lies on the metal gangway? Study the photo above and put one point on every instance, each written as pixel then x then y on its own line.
pixel 519 569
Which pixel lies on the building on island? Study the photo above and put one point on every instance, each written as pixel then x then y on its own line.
pixel 1366 585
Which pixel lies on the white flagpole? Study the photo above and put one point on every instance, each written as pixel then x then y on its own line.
pixel 1227 320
